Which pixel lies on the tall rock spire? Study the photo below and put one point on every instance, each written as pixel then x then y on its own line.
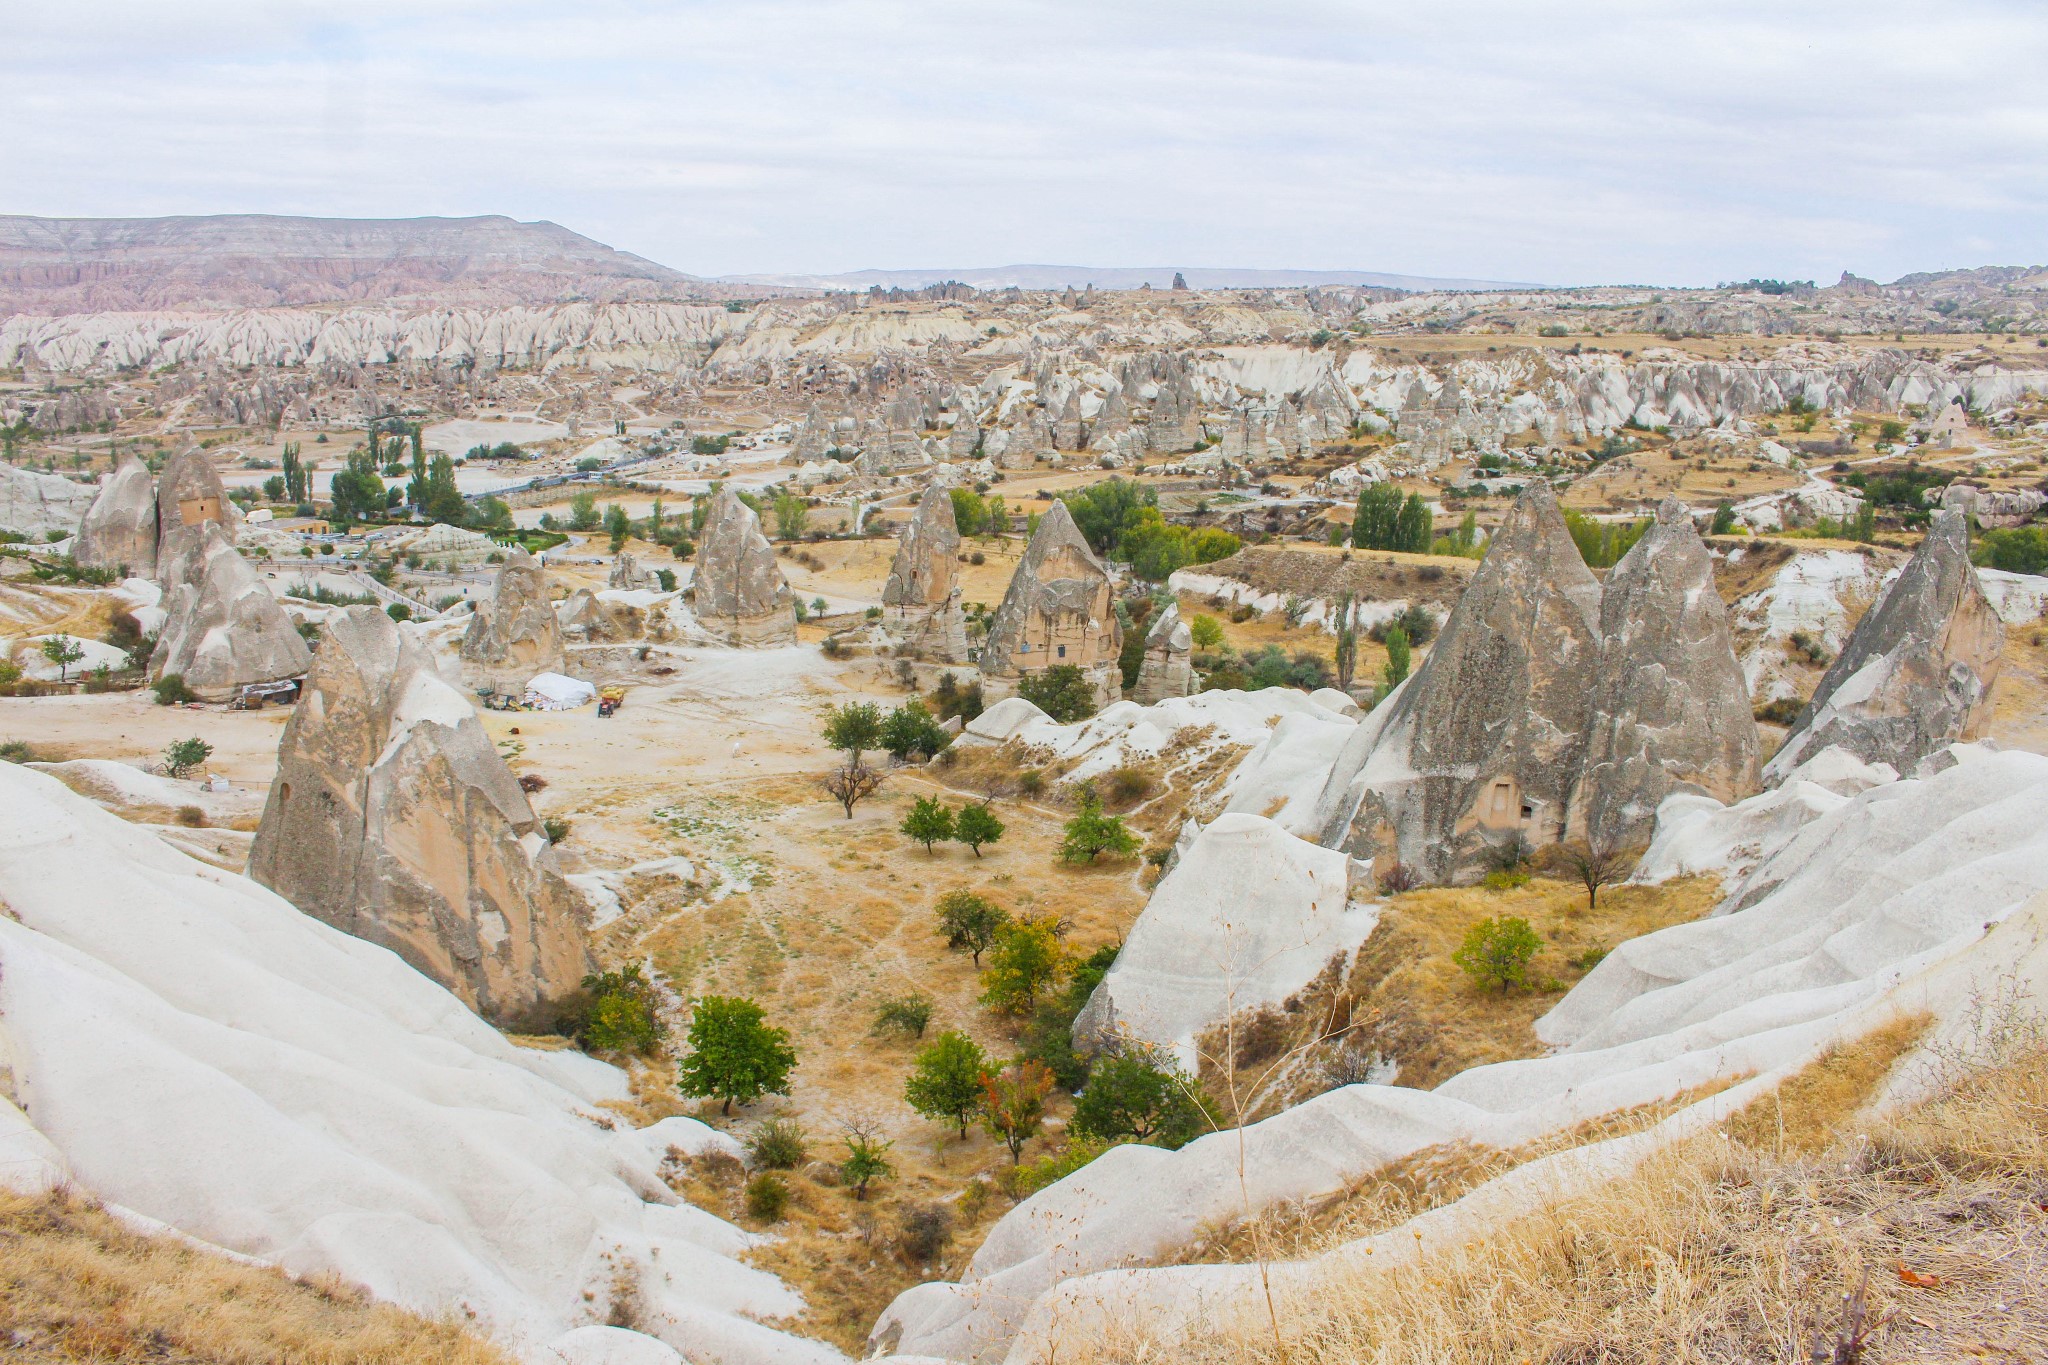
pixel 1059 609
pixel 737 590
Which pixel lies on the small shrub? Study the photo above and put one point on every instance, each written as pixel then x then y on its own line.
pixel 1129 784
pixel 1588 960
pixel 1398 877
pixel 1031 782
pixel 620 1014
pixel 923 1230
pixel 532 783
pixel 170 690
pixel 182 756
pixel 556 828
pixel 909 1015
pixel 1780 710
pixel 16 751
pixel 777 1144
pixel 191 817
pixel 1505 878
pixel 1496 952
pixel 767 1197
pixel 866 1160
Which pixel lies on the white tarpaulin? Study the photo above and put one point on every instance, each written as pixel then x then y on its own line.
pixel 553 692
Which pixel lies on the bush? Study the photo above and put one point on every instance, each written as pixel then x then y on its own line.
pixel 1060 691
pixel 182 756
pixel 620 1014
pixel 1025 962
pixel 909 1014
pixel 767 1197
pixel 398 611
pixel 970 921
pixel 1496 952
pixel 191 817
pixel 556 828
pixel 923 1230
pixel 1091 833
pixel 912 729
pixel 1129 784
pixel 1137 1097
pixel 777 1144
pixel 866 1161
pixel 929 821
pixel 16 751
pixel 170 690
pixel 1780 710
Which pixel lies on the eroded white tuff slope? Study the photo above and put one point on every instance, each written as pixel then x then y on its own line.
pixel 1860 899
pixel 187 1045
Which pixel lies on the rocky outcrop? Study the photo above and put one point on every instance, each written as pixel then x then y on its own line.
pixel 222 629
pixel 738 592
pixel 1670 711
pixel 1059 609
pixel 627 574
pixel 1487 739
pixel 33 504
pixel 1916 674
pixel 922 595
pixel 591 619
pixel 393 818
pixel 514 633
pixel 1168 669
pixel 189 496
pixel 119 530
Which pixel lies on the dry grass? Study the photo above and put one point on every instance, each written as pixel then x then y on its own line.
pixel 78 1285
pixel 1916 1238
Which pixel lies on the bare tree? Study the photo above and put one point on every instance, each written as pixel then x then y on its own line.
pixel 852 784
pixel 1596 866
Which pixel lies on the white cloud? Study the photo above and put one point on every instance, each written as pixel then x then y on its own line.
pixel 1603 140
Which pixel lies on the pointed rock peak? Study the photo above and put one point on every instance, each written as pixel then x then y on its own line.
pixel 1057 530
pixel 1533 539
pixel 925 568
pixel 1671 510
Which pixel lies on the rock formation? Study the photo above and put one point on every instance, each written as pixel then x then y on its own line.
pixel 33 504
pixel 922 595
pixel 119 531
pixel 627 574
pixel 589 618
pixel 1059 610
pixel 737 591
pixel 1916 673
pixel 1486 740
pixel 1670 711
pixel 514 633
pixel 1168 670
pixel 393 818
pixel 222 629
pixel 189 495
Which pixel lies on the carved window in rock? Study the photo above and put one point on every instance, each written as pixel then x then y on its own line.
pixel 192 511
pixel 1501 805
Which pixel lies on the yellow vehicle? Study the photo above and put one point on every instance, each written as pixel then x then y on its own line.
pixel 608 700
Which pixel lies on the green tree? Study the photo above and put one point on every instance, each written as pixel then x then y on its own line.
pixel 1091 833
pixel 617 525
pixel 791 515
pixel 866 1157
pixel 356 492
pixel 1134 1096
pixel 1496 952
pixel 1062 692
pixel 1013 1104
pixel 976 825
pixel 734 1053
pixel 583 514
pixel 1024 962
pixel 273 488
pixel 1724 520
pixel 1206 631
pixel 620 1014
pixel 928 822
pixel 1376 524
pixel 1103 511
pixel 444 500
pixel 183 755
pixel 1397 656
pixel 970 511
pixel 853 729
pixel 1866 522
pixel 912 729
pixel 945 1080
pixel 969 921
pixel 63 651
pixel 1413 529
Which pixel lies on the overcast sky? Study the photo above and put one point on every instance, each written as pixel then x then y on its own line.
pixel 1675 142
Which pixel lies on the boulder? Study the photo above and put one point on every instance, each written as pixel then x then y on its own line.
pixel 1916 673
pixel 393 818
pixel 33 504
pixel 922 595
pixel 222 628
pixel 592 619
pixel 627 574
pixel 189 496
pixel 1059 609
pixel 514 633
pixel 1487 739
pixel 738 592
pixel 119 530
pixel 1168 669
pixel 1670 710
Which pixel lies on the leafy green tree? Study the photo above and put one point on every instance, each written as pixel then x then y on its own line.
pixel 1091 833
pixel 854 728
pixel 1062 692
pixel 183 755
pixel 620 1014
pixel 617 525
pixel 866 1159
pixel 1413 528
pixel 583 515
pixel 945 1080
pixel 1724 520
pixel 1397 656
pixel 1024 962
pixel 908 1014
pixel 1135 1096
pixel 1496 952
pixel 1206 630
pixel 970 511
pixel 928 822
pixel 970 921
pixel 791 516
pixel 912 729
pixel 356 491
pixel 1103 510
pixel 63 651
pixel 273 488
pixel 666 578
pixel 1377 522
pixel 976 825
pixel 734 1053
pixel 1013 1104
pixel 1866 522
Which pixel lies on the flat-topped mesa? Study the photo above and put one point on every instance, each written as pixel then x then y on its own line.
pixel 222 628
pixel 1916 673
pixel 1670 710
pixel 393 818
pixel 738 592
pixel 1059 609
pixel 1486 741
pixel 922 595
pixel 1168 669
pixel 119 530
pixel 514 633
pixel 189 495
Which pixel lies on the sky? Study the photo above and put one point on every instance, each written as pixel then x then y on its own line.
pixel 1602 141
